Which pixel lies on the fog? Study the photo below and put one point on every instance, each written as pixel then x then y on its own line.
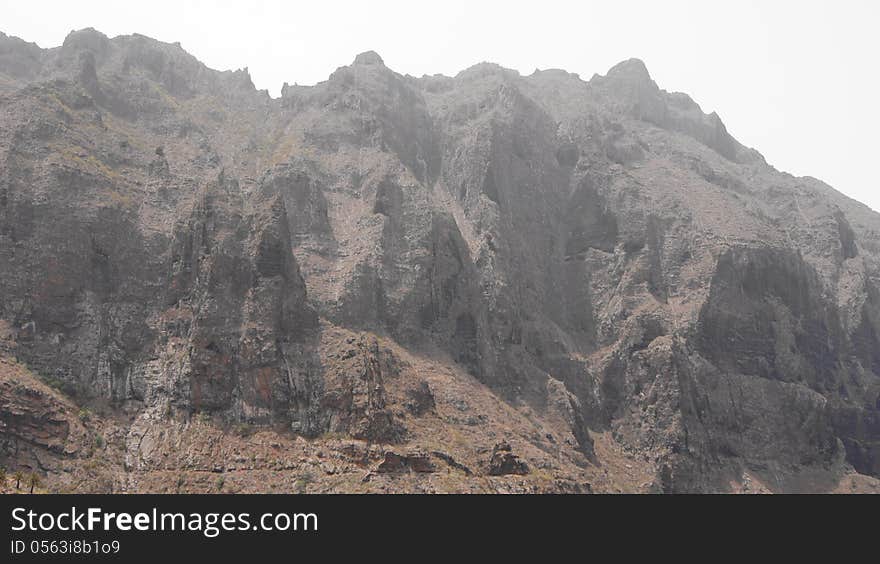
pixel 796 80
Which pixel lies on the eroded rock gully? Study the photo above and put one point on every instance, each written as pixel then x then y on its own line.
pixel 487 282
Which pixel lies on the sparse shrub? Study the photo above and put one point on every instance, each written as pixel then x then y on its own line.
pixel 220 481
pixel 303 481
pixel 18 477
pixel 60 385
pixel 33 481
pixel 243 430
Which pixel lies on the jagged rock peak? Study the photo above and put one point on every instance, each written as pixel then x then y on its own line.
pixel 575 258
pixel 369 58
pixel 557 73
pixel 88 39
pixel 242 78
pixel 485 69
pixel 633 69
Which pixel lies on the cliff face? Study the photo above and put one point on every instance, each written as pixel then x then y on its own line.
pixel 488 282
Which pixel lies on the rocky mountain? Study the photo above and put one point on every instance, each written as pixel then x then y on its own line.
pixel 381 283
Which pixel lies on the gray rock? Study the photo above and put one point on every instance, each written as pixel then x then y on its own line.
pixel 599 252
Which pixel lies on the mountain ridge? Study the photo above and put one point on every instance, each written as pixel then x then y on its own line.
pixel 589 286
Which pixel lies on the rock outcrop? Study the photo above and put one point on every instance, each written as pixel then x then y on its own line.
pixel 404 276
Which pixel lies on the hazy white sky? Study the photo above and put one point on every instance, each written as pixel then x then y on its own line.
pixel 797 80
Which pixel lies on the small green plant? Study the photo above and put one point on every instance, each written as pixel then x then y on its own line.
pixel 99 441
pixel 18 477
pixel 220 481
pixel 180 482
pixel 84 414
